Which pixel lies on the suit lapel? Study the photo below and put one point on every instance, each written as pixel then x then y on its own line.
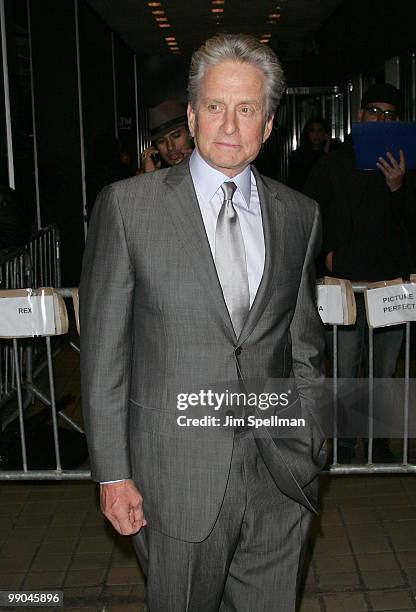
pixel 182 206
pixel 273 219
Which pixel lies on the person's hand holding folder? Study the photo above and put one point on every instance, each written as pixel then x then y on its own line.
pixel 393 170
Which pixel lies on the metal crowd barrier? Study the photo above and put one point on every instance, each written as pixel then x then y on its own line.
pixel 34 264
pixel 370 467
pixel 335 468
pixel 22 384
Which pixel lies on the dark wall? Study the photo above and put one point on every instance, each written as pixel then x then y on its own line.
pixel 96 76
pixel 358 38
pixel 56 90
pixel 58 134
pixel 4 177
pixel 18 61
pixel 163 77
pixel 126 100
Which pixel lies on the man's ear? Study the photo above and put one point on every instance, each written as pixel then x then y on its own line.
pixel 268 128
pixel 191 120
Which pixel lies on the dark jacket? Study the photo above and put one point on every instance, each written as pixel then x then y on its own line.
pixel 368 227
pixel 301 163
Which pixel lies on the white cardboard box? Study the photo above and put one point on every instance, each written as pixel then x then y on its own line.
pixel 32 312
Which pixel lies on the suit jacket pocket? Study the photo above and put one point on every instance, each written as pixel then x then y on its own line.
pixel 146 419
pixel 151 420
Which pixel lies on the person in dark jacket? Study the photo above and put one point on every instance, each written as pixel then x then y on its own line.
pixel 369 217
pixel 315 141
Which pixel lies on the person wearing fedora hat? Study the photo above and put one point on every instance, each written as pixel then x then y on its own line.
pixel 171 141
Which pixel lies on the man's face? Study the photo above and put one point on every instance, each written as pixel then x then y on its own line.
pixel 229 124
pixel 174 145
pixel 376 111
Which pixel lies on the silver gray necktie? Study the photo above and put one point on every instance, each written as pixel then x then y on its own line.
pixel 230 260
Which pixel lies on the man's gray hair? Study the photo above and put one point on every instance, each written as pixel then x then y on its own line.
pixel 239 48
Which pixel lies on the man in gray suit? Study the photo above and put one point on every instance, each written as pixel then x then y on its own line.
pixel 200 279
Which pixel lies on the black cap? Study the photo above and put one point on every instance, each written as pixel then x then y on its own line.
pixel 382 92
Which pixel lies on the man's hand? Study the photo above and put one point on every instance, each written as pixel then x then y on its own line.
pixel 394 171
pixel 148 163
pixel 122 504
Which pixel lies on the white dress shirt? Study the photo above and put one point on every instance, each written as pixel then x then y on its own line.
pixel 207 182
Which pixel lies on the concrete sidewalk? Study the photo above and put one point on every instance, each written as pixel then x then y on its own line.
pixel 362 553
pixel 362 549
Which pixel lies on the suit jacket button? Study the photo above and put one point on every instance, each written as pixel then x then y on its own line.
pixel 237 351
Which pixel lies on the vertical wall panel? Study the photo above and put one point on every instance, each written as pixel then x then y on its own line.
pixel 57 119
pixel 142 116
pixel 97 76
pixel 126 112
pixel 4 180
pixel 18 58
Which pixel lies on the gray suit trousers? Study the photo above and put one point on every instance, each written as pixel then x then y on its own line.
pixel 250 562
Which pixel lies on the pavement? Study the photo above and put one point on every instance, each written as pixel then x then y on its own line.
pixel 362 548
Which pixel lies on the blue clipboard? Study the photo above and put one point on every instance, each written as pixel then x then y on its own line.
pixel 373 139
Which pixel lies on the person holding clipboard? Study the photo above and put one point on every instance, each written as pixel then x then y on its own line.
pixel 369 219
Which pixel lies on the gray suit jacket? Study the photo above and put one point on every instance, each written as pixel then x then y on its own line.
pixel 154 323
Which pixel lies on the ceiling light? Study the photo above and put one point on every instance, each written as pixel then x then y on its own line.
pixel 154 4
pixel 217 2
pixel 161 19
pixel 161 12
pixel 170 38
pixel 172 43
pixel 164 25
pixel 217 10
pixel 265 36
pixel 274 16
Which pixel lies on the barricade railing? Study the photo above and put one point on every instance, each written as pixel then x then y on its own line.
pixel 34 264
pixel 403 386
pixel 48 318
pixel 368 467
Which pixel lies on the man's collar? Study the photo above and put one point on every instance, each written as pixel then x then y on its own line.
pixel 207 180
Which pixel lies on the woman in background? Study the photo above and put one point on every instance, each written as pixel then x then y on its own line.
pixel 315 141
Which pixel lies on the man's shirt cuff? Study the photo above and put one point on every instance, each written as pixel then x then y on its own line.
pixel 111 481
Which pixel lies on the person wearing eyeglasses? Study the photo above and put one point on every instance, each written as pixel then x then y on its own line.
pixel 369 219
